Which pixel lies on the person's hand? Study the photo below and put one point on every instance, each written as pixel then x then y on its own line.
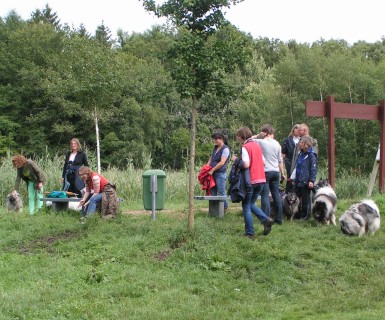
pixel 211 172
pixel 39 185
pixel 234 157
pixel 62 180
pixel 80 203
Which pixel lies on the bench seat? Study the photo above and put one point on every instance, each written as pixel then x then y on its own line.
pixel 60 204
pixel 216 204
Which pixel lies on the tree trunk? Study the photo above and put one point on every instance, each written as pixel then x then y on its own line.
pixel 97 141
pixel 192 165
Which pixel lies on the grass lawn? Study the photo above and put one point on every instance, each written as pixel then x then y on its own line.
pixel 53 267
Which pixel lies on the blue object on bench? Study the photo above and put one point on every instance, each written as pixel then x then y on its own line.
pixel 216 204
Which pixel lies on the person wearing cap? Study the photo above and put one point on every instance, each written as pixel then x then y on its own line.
pixel 218 162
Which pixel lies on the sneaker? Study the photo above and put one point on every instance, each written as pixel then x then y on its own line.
pixel 83 220
pixel 250 236
pixel 267 227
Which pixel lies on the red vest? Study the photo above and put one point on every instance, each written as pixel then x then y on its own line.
pixel 103 181
pixel 257 169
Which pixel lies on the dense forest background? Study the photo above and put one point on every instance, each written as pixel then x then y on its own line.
pixel 54 79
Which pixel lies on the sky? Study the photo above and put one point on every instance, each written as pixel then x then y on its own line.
pixel 300 20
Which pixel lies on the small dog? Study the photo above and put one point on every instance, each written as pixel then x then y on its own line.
pixel 325 205
pixel 13 202
pixel 291 205
pixel 361 218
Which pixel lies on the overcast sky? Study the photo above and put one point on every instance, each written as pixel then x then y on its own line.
pixel 301 20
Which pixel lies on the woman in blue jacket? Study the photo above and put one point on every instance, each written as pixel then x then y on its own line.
pixel 305 174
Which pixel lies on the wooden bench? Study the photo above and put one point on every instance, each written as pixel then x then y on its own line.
pixel 216 204
pixel 60 204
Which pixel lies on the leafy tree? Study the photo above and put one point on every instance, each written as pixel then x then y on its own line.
pixel 196 69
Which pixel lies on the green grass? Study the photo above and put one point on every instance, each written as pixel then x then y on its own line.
pixel 53 267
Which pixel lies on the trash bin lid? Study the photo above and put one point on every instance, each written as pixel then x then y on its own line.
pixel 149 173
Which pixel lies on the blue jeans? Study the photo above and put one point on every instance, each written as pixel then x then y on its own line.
pixel 272 186
pixel 249 206
pixel 220 186
pixel 91 208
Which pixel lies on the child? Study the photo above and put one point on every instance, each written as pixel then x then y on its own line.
pixel 304 175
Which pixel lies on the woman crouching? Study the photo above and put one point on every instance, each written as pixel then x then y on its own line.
pixel 97 188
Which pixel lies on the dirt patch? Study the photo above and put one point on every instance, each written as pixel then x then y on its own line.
pixel 46 243
pixel 162 255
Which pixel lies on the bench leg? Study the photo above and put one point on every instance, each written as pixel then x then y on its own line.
pixel 60 206
pixel 217 208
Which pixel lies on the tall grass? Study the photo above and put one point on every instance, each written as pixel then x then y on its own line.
pixel 130 182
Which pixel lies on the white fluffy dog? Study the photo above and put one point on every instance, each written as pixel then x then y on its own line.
pixel 361 218
pixel 325 205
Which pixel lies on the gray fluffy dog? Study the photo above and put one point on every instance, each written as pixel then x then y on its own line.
pixel 13 201
pixel 291 206
pixel 361 218
pixel 325 205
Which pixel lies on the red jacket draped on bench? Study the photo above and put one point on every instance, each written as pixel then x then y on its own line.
pixel 206 180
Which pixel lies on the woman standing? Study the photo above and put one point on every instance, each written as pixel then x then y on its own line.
pixel 75 158
pixel 271 150
pixel 218 163
pixel 252 159
pixel 288 146
pixel 304 175
pixel 35 179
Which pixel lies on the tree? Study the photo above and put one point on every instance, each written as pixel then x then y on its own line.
pixel 196 68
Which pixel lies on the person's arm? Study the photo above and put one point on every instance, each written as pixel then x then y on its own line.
pixel 38 173
pixel 245 158
pixel 85 159
pixel 313 170
pixel 17 181
pixel 85 195
pixel 96 184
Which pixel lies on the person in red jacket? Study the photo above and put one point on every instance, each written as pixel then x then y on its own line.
pixel 94 182
pixel 252 159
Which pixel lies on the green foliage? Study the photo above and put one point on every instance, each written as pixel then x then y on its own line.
pixel 55 79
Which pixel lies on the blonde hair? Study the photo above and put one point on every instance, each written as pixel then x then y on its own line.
pixel 296 126
pixel 77 143
pixel 18 160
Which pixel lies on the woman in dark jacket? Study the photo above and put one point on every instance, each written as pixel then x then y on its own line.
pixel 218 162
pixel 288 146
pixel 304 175
pixel 75 158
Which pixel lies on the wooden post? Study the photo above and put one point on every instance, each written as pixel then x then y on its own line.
pixel 382 146
pixel 331 145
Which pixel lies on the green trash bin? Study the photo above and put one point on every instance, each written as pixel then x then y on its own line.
pixel 160 187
